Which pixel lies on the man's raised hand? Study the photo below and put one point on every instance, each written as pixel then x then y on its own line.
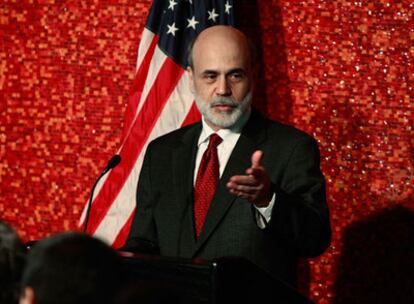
pixel 255 185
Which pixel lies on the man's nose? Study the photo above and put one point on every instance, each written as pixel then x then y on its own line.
pixel 223 87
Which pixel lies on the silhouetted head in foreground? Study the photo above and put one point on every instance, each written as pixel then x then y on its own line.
pixel 71 268
pixel 11 263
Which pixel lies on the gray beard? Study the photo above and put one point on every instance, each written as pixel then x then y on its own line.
pixel 223 119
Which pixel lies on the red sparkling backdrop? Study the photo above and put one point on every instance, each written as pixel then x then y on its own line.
pixel 340 70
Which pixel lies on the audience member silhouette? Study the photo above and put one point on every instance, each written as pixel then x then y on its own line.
pixel 71 268
pixel 11 263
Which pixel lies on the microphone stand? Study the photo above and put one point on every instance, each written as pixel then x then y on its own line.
pixel 113 162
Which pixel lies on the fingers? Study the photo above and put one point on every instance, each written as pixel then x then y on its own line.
pixel 244 195
pixel 243 185
pixel 257 159
pixel 242 189
pixel 255 172
pixel 251 182
pixel 247 180
pixel 255 185
pixel 250 193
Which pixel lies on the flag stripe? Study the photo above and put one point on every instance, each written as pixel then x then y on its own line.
pixel 138 86
pixel 147 38
pixel 123 233
pixel 157 62
pixel 192 116
pixel 165 83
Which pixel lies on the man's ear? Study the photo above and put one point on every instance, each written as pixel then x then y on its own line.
pixel 27 296
pixel 190 79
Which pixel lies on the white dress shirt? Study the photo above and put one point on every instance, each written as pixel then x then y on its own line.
pixel 224 149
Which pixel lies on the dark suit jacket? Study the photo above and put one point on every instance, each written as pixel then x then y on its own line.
pixel 163 221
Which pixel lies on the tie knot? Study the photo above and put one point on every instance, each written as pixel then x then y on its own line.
pixel 215 140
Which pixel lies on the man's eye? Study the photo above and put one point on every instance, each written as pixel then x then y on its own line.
pixel 236 76
pixel 210 77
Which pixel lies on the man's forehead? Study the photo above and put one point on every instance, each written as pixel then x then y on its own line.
pixel 220 57
pixel 220 67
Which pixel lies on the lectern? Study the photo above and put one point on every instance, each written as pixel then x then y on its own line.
pixel 224 280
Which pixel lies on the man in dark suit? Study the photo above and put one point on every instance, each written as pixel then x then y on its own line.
pixel 267 202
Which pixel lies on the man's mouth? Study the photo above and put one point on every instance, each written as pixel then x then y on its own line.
pixel 224 107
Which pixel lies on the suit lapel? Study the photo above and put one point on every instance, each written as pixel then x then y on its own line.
pixel 183 159
pixel 252 135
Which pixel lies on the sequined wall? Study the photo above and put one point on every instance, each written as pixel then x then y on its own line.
pixel 340 70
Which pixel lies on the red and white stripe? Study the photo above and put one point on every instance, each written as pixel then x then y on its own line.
pixel 160 101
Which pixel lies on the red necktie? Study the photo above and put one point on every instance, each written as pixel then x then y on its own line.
pixel 208 176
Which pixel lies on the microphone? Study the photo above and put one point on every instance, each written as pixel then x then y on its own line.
pixel 112 163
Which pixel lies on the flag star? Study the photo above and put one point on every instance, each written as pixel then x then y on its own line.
pixel 192 22
pixel 172 29
pixel 172 4
pixel 228 7
pixel 212 15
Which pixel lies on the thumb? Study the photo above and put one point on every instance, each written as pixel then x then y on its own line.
pixel 257 159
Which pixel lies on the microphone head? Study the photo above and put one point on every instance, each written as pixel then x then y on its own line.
pixel 114 161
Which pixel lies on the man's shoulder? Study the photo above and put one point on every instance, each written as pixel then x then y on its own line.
pixel 287 130
pixel 282 131
pixel 177 136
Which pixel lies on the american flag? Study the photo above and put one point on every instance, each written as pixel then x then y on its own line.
pixel 159 102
